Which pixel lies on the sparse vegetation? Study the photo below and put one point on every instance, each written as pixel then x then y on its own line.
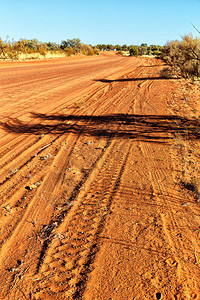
pixel 33 48
pixel 29 48
pixel 193 186
pixel 183 56
pixel 186 151
pixel 196 184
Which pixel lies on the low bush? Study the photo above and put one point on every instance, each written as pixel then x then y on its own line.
pixel 183 56
pixel 69 51
pixel 10 50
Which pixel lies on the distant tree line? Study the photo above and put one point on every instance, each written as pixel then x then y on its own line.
pixel 15 49
pixel 134 50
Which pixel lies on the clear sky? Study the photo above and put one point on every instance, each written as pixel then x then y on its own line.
pixel 99 21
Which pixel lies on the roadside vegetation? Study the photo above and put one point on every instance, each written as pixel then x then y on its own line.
pixel 32 49
pixel 183 61
pixel 183 57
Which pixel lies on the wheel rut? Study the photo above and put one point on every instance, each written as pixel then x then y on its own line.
pixel 39 211
pixel 184 250
pixel 90 203
pixel 76 249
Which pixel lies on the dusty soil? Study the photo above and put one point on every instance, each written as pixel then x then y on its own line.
pixel 99 162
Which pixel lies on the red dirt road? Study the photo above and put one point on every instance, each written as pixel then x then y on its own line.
pixel 92 205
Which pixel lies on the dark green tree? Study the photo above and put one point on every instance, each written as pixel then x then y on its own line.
pixel 134 50
pixel 52 46
pixel 74 44
pixel 118 47
pixel 125 47
pixel 110 47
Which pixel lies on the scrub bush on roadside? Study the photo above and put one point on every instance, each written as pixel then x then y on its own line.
pixel 69 51
pixel 183 56
pixel 13 50
pixel 9 50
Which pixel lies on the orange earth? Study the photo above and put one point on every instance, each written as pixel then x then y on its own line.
pixel 99 182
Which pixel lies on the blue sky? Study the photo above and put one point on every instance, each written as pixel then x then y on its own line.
pixel 99 21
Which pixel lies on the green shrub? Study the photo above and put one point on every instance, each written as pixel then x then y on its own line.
pixel 52 46
pixel 134 51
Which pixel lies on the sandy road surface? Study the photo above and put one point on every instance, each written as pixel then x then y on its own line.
pixel 91 202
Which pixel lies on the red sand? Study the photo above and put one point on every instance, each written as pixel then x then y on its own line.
pixel 92 205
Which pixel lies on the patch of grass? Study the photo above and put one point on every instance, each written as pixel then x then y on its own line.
pixel 196 184
pixel 179 140
pixel 193 186
pixel 194 110
pixel 78 104
pixel 161 158
pixel 168 73
pixel 14 171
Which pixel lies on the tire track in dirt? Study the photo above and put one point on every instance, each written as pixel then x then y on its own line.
pixel 34 219
pixel 79 172
pixel 32 157
pixel 149 234
pixel 54 88
pixel 185 251
pixel 76 248
pixel 39 181
pixel 10 160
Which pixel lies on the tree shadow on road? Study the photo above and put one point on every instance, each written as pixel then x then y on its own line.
pixel 155 128
pixel 167 77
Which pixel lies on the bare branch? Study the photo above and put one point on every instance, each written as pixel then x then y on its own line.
pixel 195 27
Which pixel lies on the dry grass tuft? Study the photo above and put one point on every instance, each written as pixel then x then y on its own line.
pixel 184 56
